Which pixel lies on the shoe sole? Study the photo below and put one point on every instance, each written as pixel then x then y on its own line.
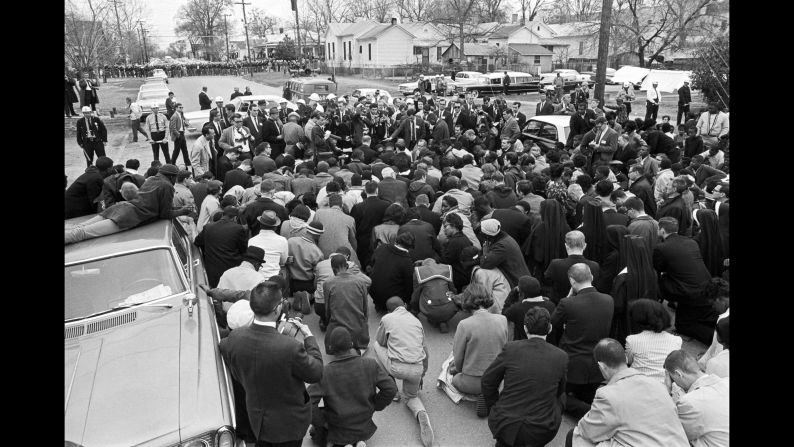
pixel 425 429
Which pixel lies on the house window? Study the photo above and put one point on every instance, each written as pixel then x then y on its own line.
pixel 369 49
pixel 333 50
pixel 418 51
pixel 497 44
pixel 360 49
pixel 344 51
pixel 581 48
pixel 350 49
pixel 537 59
pixel 439 53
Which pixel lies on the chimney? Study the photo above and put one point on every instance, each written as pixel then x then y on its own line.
pixel 281 30
pixel 515 18
pixel 394 21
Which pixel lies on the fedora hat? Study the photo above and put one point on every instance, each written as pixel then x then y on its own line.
pixel 269 219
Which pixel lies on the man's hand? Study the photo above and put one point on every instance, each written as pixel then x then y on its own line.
pixel 304 328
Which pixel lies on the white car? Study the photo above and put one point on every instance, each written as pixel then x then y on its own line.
pixel 547 130
pixel 160 73
pixel 371 91
pixel 241 105
pixel 152 97
pixel 409 88
pixel 571 78
pixel 152 87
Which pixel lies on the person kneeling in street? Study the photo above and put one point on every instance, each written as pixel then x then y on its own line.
pixel 348 391
pixel 433 289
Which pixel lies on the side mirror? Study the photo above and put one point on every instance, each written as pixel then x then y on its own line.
pixel 190 300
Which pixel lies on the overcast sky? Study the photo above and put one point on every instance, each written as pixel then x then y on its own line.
pixel 161 17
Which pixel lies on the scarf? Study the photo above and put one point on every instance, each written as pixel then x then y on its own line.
pixel 296 223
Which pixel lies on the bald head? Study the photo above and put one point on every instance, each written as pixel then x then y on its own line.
pixel 610 352
pixel 580 275
pixel 682 361
pixel 393 303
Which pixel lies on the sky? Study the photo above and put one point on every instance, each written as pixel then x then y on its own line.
pixel 160 22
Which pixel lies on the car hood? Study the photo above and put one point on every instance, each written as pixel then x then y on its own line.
pixel 198 118
pixel 122 386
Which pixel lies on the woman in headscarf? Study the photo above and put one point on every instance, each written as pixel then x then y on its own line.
pixel 298 221
pixel 636 279
pixel 547 240
pixel 595 232
pixel 709 240
pixel 386 232
pixel 610 267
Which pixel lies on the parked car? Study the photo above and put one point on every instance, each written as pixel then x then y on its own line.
pixel 547 130
pixel 371 91
pixel 241 105
pixel 153 86
pixel 592 76
pixel 491 84
pixel 572 78
pixel 160 73
pixel 409 88
pixel 142 363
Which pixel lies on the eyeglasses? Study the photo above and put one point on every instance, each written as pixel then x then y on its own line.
pixel 238 122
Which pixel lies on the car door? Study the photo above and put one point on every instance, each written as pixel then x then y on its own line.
pixel 539 133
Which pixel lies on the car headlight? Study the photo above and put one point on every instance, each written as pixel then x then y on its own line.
pixel 223 437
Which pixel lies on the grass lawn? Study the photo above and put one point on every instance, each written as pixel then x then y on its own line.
pixel 113 94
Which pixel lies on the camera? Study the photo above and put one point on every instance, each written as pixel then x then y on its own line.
pixel 293 309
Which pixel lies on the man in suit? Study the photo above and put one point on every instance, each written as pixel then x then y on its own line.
pixel 79 197
pixel 283 111
pixel 440 128
pixel 203 153
pixel 91 136
pixel 238 176
pixel 632 409
pixel 222 244
pixel 684 99
pixel 557 271
pixel 704 409
pixel 369 154
pixel 520 117
pixel 219 108
pixel 273 133
pixel 391 189
pixel 510 127
pixel 368 214
pixel 235 93
pixel 682 278
pixel 254 122
pixel 411 129
pixel 605 143
pixel 277 379
pixel 177 125
pixel 237 137
pixel 581 122
pixel 653 99
pixel 170 105
pixel 545 106
pixel 579 95
pixel 528 411
pixel 205 103
pixel 586 317
pixel 455 117
pixel 422 209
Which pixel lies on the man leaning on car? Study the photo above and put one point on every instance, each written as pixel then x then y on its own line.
pixel 275 395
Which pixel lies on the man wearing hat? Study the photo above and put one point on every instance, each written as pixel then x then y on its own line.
pixel 500 250
pixel 348 392
pixel 275 245
pixel 276 380
pixel 91 136
pixel 684 99
pixel 156 127
pixel 273 133
pixel 219 106
pixel 306 255
pixel 265 201
pixel 155 200
pixel 293 134
pixel 605 142
pixel 283 111
pixel 652 102
pixel 246 275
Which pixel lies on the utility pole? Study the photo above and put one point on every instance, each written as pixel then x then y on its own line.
pixel 226 31
pixel 245 23
pixel 603 48
pixel 143 35
pixel 118 26
pixel 297 29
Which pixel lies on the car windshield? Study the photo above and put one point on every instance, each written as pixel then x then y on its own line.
pixel 128 279
pixel 153 94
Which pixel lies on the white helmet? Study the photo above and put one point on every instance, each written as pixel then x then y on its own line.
pixel 626 84
pixel 219 99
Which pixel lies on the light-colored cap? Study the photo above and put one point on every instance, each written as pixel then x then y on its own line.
pixel 314 97
pixel 240 315
pixel 491 227
pixel 218 99
pixel 86 109
pixel 300 101
pixel 330 96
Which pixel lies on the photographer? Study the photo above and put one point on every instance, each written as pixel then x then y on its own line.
pixel 277 379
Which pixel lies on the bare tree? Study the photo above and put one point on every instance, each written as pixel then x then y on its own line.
pixel 564 11
pixel 656 25
pixel 88 40
pixel 491 10
pixel 260 24
pixel 529 9
pixel 377 10
pixel 420 10
pixel 202 20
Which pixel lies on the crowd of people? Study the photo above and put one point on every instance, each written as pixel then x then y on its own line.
pixel 555 263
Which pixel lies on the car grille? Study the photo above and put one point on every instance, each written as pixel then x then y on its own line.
pixel 99 326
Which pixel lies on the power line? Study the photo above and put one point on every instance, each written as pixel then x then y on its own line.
pixel 245 21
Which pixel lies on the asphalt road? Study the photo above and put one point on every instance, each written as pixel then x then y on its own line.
pixel 454 425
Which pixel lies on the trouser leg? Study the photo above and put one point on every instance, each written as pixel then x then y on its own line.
pixel 99 148
pixel 156 151
pixel 99 228
pixel 88 153
pixel 164 148
pixel 678 115
pixel 467 384
pixel 66 107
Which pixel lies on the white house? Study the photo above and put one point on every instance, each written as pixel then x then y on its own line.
pixel 371 44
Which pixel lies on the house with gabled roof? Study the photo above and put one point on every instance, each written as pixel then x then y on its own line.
pixel 372 44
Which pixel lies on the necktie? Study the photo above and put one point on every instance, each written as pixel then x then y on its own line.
pixel 253 121
pixel 278 127
pixel 88 127
pixel 413 130
pixel 157 123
